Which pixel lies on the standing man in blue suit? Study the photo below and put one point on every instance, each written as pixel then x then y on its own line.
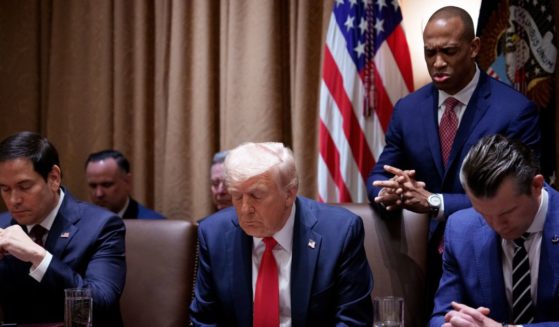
pixel 49 241
pixel 323 277
pixel 110 184
pixel 501 257
pixel 411 172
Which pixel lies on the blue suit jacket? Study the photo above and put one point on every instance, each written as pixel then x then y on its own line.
pixel 472 267
pixel 331 283
pixel 137 211
pixel 412 140
pixel 87 245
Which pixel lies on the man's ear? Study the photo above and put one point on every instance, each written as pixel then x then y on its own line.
pixel 291 195
pixel 537 184
pixel 475 47
pixel 54 178
pixel 128 181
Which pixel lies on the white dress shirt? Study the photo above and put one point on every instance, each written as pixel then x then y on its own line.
pixel 283 254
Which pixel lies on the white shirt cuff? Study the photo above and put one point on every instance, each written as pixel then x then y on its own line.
pixel 41 269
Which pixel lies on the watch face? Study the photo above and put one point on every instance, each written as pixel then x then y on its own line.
pixel 434 200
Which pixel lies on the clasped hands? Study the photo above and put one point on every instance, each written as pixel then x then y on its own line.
pixel 14 241
pixel 402 191
pixel 465 316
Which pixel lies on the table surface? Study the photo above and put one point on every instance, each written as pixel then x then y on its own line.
pixel 50 324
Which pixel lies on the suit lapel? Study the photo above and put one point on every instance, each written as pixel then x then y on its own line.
pixel 429 113
pixel 477 107
pixel 63 228
pixel 487 251
pixel 61 233
pixel 304 261
pixel 239 257
pixel 548 288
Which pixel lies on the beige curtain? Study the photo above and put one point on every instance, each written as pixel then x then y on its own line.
pixel 166 82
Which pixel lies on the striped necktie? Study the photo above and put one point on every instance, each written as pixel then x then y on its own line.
pixel 522 306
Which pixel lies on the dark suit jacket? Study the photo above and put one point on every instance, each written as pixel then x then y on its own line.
pixel 330 283
pixel 87 245
pixel 138 211
pixel 472 269
pixel 412 140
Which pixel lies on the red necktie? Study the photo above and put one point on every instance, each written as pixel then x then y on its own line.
pixel 266 298
pixel 448 128
pixel 37 233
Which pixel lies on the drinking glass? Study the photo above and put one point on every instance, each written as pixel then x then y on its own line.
pixel 78 307
pixel 388 311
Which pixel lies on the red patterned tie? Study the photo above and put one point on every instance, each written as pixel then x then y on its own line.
pixel 266 298
pixel 448 128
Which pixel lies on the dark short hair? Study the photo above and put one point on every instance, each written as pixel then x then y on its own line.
pixel 120 159
pixel 495 158
pixel 452 11
pixel 33 147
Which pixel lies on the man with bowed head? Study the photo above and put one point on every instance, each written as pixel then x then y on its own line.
pixel 501 257
pixel 276 258
pixel 221 198
pixel 49 241
pixel 109 180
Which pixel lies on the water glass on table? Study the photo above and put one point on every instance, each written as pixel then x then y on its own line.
pixel 78 308
pixel 388 311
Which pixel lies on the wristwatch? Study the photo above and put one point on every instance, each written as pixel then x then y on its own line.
pixel 434 201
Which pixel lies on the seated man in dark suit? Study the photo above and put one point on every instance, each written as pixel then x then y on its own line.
pixel 220 196
pixel 277 257
pixel 70 244
pixel 110 185
pixel 500 260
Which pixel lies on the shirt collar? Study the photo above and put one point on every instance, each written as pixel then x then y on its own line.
pixel 284 236
pixel 465 94
pixel 49 220
pixel 539 219
pixel 123 210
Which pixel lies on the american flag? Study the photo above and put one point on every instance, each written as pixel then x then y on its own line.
pixel 366 69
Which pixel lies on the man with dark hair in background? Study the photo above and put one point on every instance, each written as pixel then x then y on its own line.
pixel 110 185
pixel 500 261
pixel 49 241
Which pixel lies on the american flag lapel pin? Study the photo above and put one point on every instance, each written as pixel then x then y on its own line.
pixel 65 235
pixel 311 244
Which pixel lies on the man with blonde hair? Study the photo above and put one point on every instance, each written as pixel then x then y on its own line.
pixel 277 258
